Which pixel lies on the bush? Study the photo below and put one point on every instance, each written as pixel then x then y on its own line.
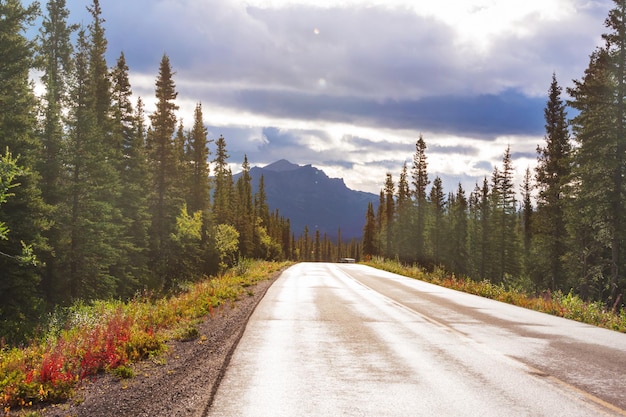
pixel 569 306
pixel 85 340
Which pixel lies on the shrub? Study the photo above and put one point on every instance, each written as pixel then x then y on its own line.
pixel 85 340
pixel 569 306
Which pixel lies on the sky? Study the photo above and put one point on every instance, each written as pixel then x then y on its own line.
pixel 349 85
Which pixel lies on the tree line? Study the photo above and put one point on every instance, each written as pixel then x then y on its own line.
pixel 568 231
pixel 99 200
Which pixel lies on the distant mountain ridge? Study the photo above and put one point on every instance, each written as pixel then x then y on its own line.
pixel 308 197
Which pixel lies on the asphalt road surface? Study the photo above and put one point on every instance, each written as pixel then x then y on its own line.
pixel 348 340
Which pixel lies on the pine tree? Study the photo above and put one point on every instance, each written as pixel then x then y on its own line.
pixel 317 248
pixel 99 76
pixel 616 48
pixel 504 220
pixel 420 182
pixel 592 220
pixel 199 198
pixel 552 175
pixel 164 207
pixel 528 217
pixel 55 53
pixel 129 126
pixel 436 230
pixel 222 186
pixel 25 213
pixel 261 208
pixel 91 217
pixel 244 218
pixel 458 240
pixel 389 214
pixel 404 214
pixel 369 232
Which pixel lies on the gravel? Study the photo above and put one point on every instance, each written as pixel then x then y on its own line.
pixel 181 382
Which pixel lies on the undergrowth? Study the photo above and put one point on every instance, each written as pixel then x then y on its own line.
pixel 556 303
pixel 107 336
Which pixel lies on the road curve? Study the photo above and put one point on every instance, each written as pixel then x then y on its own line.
pixel 349 340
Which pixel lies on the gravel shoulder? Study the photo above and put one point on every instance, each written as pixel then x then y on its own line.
pixel 181 382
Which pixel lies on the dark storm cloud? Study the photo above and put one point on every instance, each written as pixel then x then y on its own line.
pixel 483 115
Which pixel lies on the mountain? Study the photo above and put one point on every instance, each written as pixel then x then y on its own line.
pixel 308 197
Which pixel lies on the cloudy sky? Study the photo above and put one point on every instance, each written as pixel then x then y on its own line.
pixel 349 85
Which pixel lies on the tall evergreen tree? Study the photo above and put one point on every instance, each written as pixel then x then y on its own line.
pixel 245 216
pixel 129 126
pixel 436 230
pixel 92 219
pixel 389 214
pixel 528 217
pixel 594 186
pixel 505 220
pixel 198 150
pixel 164 206
pixel 458 240
pixel 55 53
pixel 552 175
pixel 222 186
pixel 25 213
pixel 261 208
pixel 369 232
pixel 404 213
pixel 420 182
pixel 616 48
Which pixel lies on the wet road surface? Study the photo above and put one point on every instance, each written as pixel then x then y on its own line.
pixel 348 340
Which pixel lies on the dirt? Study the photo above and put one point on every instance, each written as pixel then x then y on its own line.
pixel 181 382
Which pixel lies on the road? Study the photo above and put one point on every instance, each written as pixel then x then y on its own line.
pixel 349 340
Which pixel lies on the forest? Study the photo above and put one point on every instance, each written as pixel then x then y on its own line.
pixel 567 231
pixel 99 200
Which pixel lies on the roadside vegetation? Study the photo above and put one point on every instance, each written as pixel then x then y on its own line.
pixel 108 336
pixel 557 303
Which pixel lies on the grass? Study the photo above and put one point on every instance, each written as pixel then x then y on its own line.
pixel 559 304
pixel 108 336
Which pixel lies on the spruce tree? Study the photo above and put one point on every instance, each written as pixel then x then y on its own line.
pixel 369 232
pixel 403 219
pixel 55 57
pixel 485 263
pixel 616 48
pixel 91 217
pixel 164 207
pixel 436 230
pixel 592 220
pixel 389 214
pixel 528 218
pixel 198 150
pixel 245 217
pixel 505 220
pixel 552 174
pixel 420 182
pixel 458 259
pixel 222 184
pixel 25 213
pixel 129 126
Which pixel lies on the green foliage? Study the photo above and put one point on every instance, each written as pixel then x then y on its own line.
pixel 123 372
pixel 9 170
pixel 227 243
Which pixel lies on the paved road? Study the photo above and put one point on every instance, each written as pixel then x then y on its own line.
pixel 348 340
